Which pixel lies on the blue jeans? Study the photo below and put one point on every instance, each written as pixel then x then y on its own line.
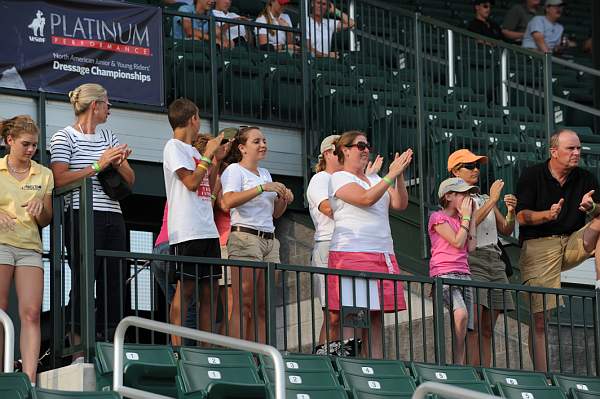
pixel 160 271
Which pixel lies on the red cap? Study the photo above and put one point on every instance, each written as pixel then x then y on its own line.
pixel 283 2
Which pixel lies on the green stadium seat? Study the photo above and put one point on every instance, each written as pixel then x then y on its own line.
pixel 514 377
pixel 243 87
pixel 51 394
pixel 447 374
pixel 523 392
pixel 15 385
pixel 299 362
pixel 300 379
pixel 580 383
pixel 218 357
pixel 200 381
pixel 396 385
pixel 582 394
pixel 311 393
pixel 151 368
pixel 371 368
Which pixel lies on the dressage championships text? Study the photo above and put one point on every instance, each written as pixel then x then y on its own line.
pixel 118 74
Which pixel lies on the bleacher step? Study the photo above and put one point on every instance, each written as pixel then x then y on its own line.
pixel 74 377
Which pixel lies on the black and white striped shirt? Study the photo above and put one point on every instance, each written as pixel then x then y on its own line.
pixel 81 150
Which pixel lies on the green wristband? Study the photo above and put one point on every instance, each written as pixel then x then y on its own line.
pixel 388 181
pixel 96 167
pixel 591 211
pixel 260 189
pixel 466 218
pixel 206 159
pixel 337 13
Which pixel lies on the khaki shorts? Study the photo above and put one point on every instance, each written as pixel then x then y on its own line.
pixel 246 246
pixel 226 269
pixel 18 257
pixel 487 266
pixel 543 259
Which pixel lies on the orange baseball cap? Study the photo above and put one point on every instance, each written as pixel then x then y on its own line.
pixel 464 156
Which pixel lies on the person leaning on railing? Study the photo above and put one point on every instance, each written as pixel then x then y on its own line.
pixel 362 238
pixel 555 199
pixel 234 34
pixel 517 17
pixel 254 201
pixel 319 29
pixel 195 28
pixel 80 151
pixel 278 40
pixel 485 261
pixel 25 206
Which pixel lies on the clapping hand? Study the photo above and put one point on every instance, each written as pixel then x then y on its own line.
pixel 7 222
pixel 400 163
pixel 511 202
pixel 496 189
pixel 587 202
pixel 373 167
pixel 555 209
pixel 34 207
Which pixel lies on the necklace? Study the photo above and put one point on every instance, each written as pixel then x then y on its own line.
pixel 17 171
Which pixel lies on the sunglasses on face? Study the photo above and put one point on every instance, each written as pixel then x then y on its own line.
pixel 361 145
pixel 471 166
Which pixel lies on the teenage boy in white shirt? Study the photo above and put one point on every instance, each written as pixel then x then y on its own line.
pixel 192 230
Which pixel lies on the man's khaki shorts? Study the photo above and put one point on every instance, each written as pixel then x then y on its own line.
pixel 543 259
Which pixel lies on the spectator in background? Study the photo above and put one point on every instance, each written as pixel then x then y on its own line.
pixel 485 261
pixel 195 28
pixel 255 200
pixel 556 199
pixel 517 18
pixel 79 151
pixel 543 32
pixel 271 39
pixel 482 24
pixel 173 2
pixel 25 207
pixel 191 225
pixel 319 29
pixel 362 238
pixel 234 34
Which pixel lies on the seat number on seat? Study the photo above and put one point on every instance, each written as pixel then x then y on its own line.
pixel 132 356
pixel 214 374
pixel 295 379
pixel 302 396
pixel 511 381
pixel 374 385
pixel 214 360
pixel 292 365
pixel 367 370
pixel 582 387
pixel 527 395
pixel 441 376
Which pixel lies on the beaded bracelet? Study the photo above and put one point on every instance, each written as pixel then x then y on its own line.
pixel 260 189
pixel 202 167
pixel 591 211
pixel 465 227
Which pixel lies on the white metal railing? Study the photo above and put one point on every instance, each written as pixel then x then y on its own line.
pixel 203 336
pixel 9 342
pixel 448 391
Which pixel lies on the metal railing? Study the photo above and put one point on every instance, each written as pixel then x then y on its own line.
pixel 9 342
pixel 423 331
pixel 72 243
pixel 201 336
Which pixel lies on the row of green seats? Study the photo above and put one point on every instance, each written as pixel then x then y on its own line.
pixel 18 386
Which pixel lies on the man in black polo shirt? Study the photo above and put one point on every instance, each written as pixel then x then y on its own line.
pixel 555 197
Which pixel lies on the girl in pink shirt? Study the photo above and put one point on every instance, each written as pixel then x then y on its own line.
pixel 452 234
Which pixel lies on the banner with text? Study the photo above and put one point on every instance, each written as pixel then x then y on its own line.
pixel 56 45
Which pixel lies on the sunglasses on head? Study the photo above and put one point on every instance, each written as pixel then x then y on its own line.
pixel 361 145
pixel 231 133
pixel 471 165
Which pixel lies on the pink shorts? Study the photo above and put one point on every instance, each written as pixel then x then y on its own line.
pixel 354 291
